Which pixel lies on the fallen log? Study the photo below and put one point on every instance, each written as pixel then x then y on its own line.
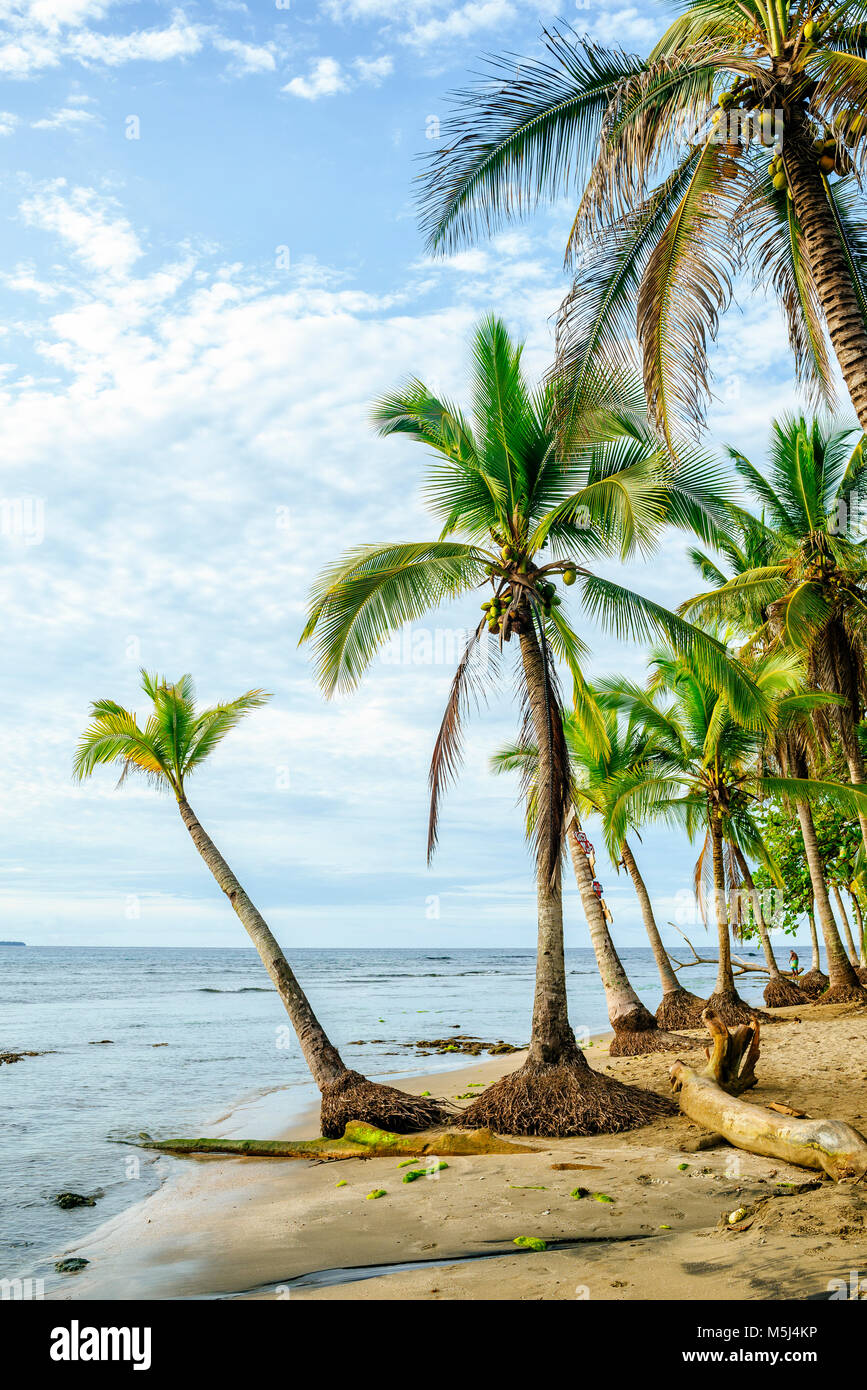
pixel 710 1098
pixel 359 1141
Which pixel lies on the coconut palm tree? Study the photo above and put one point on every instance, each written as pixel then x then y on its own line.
pixel 503 496
pixel 720 778
pixel 812 588
pixel 167 749
pixel 800 582
pixel 732 147
pixel 596 772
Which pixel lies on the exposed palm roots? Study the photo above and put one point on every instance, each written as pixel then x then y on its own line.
pixel 636 1033
pixel 813 983
pixel 353 1097
pixel 843 994
pixel 780 993
pixel 680 1009
pixel 728 1006
pixel 563 1098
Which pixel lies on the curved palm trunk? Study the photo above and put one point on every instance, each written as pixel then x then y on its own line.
pixel 346 1094
pixel 847 927
pixel 814 981
pixel 635 1028
pixel 679 1008
pixel 843 982
pixel 321 1056
pixel 556 1091
pixel 779 992
pixel 859 918
pixel 846 327
pixel 668 979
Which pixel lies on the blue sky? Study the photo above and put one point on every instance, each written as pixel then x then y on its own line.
pixel 194 321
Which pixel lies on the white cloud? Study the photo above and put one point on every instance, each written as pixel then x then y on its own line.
pixel 66 118
pixel 102 239
pixel 374 70
pixel 325 79
pixel 247 57
pixel 8 122
pixel 461 23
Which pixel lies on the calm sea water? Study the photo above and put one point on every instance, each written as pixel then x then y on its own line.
pixel 168 1041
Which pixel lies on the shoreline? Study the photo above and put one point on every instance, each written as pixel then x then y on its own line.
pixel 245 1228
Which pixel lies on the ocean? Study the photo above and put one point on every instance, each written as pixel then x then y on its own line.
pixel 170 1041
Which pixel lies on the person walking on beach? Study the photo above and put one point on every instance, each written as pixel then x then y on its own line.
pixel 794 966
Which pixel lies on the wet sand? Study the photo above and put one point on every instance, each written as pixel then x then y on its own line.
pixel 250 1228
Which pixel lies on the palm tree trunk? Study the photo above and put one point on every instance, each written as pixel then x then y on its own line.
pixel 556 1092
pixel 758 915
pixel 321 1056
pixel 725 1000
pixel 551 1036
pixel 779 992
pixel 814 981
pixel 667 977
pixel 843 982
pixel 623 1003
pixel 847 929
pixel 346 1094
pixel 725 980
pixel 859 918
pixel 815 958
pixel 846 327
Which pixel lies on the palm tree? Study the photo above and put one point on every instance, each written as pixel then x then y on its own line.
pixel 681 190
pixel 779 992
pixel 503 495
pixel 799 583
pixel 718 781
pixel 173 744
pixel 812 588
pixel 595 770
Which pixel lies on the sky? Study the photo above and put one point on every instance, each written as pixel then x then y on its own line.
pixel 209 266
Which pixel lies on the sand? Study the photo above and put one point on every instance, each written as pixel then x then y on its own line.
pixel 245 1228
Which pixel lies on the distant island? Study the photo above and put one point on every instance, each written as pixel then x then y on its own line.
pixel 13 943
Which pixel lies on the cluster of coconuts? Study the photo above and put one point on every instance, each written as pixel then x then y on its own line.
pixel 779 177
pixel 496 609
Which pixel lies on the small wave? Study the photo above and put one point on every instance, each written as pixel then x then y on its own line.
pixel 243 989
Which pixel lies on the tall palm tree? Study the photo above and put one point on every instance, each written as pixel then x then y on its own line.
pixel 719 778
pixel 503 495
pixel 681 188
pixel 174 742
pixel 596 774
pixel 802 583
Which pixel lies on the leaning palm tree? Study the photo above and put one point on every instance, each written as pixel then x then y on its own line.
pixel 503 495
pixel 733 146
pixel 779 992
pixel 174 742
pixel 720 779
pixel 595 770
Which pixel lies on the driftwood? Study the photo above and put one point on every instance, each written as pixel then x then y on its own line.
pixel 359 1141
pixel 710 1098
pixel 739 967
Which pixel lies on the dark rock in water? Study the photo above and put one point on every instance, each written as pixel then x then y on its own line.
pixel 16 1056
pixel 100 1042
pixel 463 1043
pixel 65 1200
pixel 71 1265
